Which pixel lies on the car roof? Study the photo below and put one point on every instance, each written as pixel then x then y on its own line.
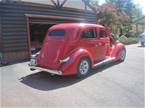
pixel 78 25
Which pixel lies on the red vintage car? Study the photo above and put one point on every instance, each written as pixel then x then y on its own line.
pixel 76 48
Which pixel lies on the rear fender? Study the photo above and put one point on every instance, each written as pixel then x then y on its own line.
pixel 116 50
pixel 70 67
pixel 80 53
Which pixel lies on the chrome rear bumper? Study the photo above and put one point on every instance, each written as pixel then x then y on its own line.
pixel 56 72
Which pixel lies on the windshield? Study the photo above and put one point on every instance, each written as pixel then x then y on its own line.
pixel 57 32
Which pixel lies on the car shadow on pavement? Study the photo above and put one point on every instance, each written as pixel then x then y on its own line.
pixel 45 82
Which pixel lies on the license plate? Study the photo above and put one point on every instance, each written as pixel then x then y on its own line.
pixel 33 62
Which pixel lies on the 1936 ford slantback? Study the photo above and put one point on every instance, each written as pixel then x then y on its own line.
pixel 75 48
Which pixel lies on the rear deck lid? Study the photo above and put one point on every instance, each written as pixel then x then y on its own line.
pixel 52 48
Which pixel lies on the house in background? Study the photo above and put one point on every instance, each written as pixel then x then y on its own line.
pixel 138 25
pixel 23 24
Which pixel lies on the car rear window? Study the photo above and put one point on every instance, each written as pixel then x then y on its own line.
pixel 57 32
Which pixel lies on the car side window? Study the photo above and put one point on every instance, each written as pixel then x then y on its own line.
pixel 89 33
pixel 102 34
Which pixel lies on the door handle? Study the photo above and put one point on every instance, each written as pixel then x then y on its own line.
pixel 100 44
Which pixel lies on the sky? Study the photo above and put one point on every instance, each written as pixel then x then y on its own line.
pixel 141 3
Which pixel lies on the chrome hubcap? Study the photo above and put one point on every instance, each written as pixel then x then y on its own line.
pixel 84 67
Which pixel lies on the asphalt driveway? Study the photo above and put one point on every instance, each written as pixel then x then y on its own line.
pixel 113 85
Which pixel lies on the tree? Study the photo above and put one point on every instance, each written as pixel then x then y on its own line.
pixel 119 13
pixel 92 4
pixel 58 4
pixel 108 14
pixel 123 6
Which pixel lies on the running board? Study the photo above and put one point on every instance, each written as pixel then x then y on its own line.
pixel 108 60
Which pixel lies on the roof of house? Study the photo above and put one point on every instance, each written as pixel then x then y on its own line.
pixel 78 4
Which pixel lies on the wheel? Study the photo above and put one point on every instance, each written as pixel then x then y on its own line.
pixel 84 67
pixel 122 55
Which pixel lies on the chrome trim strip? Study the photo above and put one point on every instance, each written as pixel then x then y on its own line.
pixel 57 72
pixel 104 61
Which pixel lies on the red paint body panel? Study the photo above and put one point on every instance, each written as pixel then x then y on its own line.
pixel 71 67
pixel 72 45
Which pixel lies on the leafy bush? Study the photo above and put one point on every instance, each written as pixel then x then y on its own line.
pixel 128 40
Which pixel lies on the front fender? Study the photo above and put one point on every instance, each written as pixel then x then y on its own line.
pixel 70 67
